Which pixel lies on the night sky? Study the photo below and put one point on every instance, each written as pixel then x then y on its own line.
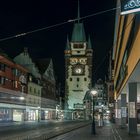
pixel 22 16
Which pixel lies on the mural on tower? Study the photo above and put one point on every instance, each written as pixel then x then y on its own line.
pixel 78 66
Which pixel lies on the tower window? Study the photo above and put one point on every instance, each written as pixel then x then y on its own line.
pixel 78 46
pixel 70 79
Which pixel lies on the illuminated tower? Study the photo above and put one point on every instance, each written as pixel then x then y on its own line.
pixel 78 66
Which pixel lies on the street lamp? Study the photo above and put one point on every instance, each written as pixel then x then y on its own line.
pixel 93 93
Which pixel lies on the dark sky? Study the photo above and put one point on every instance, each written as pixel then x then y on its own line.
pixel 23 16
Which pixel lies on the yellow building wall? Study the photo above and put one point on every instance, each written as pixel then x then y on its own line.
pixel 119 57
pixel 133 58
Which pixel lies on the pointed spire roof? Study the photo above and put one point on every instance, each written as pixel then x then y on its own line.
pixel 78 15
pixel 67 44
pixel 89 43
pixel 78 34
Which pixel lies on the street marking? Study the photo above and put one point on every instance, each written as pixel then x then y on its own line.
pixel 115 137
pixel 116 134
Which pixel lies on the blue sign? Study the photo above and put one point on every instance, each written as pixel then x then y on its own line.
pixel 130 6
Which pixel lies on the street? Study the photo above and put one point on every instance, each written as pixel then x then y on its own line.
pixel 64 130
pixel 32 130
pixel 102 133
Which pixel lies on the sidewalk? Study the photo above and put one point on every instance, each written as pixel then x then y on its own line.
pixel 107 132
pixel 123 132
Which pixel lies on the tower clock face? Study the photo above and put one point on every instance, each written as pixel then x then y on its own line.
pixel 78 70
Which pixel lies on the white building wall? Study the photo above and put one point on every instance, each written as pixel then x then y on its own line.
pixel 76 94
pixel 33 97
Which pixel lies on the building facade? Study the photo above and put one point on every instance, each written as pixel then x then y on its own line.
pixel 33 98
pixel 49 101
pixel 41 101
pixel 126 56
pixel 13 90
pixel 110 89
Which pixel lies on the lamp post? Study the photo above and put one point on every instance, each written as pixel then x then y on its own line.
pixel 93 93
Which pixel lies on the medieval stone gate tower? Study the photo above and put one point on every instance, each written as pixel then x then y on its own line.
pixel 78 66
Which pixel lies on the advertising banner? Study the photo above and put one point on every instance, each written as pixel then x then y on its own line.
pixel 130 6
pixel 132 110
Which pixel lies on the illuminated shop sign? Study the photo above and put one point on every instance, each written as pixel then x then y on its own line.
pixel 130 6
